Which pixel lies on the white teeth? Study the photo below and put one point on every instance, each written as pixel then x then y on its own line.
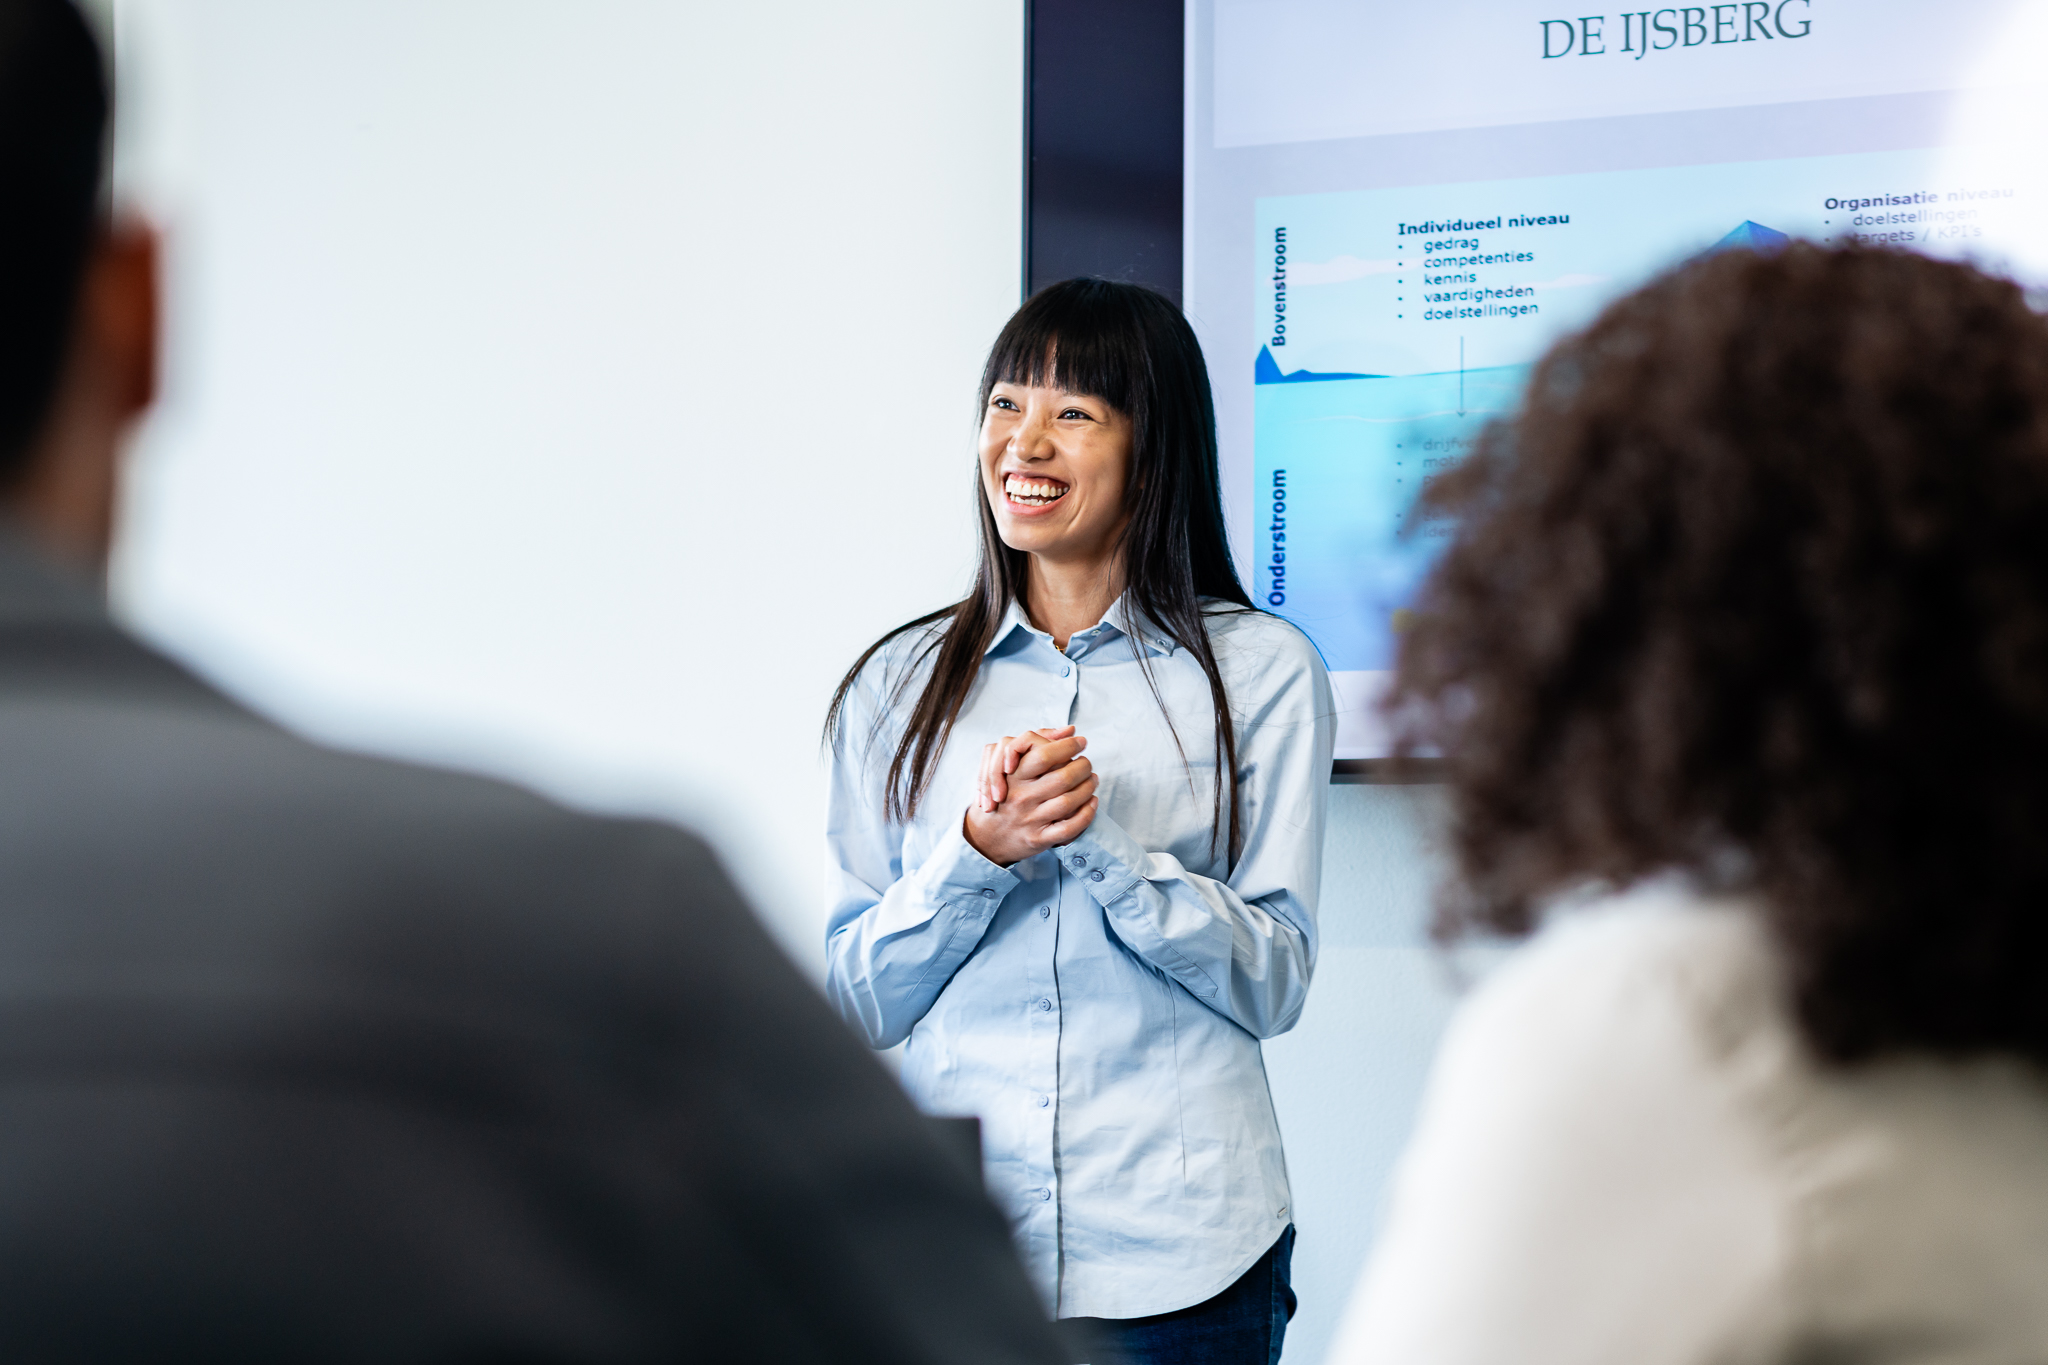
pixel 1031 490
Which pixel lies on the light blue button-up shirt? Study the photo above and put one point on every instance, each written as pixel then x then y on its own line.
pixel 1099 1006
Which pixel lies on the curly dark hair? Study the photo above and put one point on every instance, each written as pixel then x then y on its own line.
pixel 1754 587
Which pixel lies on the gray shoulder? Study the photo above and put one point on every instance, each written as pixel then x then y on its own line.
pixel 216 845
pixel 399 847
pixel 562 909
pixel 438 816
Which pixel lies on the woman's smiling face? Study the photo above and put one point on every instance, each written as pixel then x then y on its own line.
pixel 1054 465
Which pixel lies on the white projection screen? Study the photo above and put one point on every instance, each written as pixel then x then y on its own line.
pixel 1393 209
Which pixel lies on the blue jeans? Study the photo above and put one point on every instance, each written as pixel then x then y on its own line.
pixel 1244 1325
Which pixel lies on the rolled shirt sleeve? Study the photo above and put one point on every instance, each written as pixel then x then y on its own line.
pixel 1244 946
pixel 891 952
pixel 1249 960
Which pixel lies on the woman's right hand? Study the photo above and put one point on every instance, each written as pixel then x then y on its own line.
pixel 1035 792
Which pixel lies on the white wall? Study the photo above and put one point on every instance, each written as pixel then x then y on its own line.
pixel 569 391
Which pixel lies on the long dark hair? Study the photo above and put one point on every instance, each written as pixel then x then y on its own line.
pixel 1131 348
pixel 1755 587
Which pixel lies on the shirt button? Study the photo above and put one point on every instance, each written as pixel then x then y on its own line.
pixel 1045 912
pixel 1044 1195
pixel 988 892
pixel 1079 861
pixel 1044 1005
pixel 1044 1101
pixel 1095 876
pixel 1066 670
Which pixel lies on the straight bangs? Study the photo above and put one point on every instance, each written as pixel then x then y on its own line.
pixel 1079 340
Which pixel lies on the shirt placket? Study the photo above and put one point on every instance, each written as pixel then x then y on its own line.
pixel 1063 701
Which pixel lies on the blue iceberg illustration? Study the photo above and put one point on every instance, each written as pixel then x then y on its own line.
pixel 1267 371
pixel 1750 237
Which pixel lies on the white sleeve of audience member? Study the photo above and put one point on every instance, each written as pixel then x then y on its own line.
pixel 1581 1189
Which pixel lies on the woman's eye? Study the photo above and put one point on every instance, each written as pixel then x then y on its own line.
pixel 1076 412
pixel 1004 404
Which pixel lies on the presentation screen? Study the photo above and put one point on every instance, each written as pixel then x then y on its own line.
pixel 1392 210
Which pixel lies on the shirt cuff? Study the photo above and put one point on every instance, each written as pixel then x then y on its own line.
pixel 1106 859
pixel 959 876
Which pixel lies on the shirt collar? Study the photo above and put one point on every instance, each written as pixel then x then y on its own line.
pixel 1013 620
pixel 1122 618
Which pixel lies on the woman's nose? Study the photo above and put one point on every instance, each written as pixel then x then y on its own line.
pixel 1032 440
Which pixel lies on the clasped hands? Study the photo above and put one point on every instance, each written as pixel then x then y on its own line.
pixel 1035 792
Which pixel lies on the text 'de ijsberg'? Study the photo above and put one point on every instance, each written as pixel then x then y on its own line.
pixel 1640 32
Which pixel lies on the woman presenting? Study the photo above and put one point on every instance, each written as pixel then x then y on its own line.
pixel 1077 819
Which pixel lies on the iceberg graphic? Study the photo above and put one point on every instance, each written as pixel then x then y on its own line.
pixel 1751 236
pixel 1267 371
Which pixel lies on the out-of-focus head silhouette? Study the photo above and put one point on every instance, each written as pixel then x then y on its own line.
pixel 1755 588
pixel 53 132
pixel 78 291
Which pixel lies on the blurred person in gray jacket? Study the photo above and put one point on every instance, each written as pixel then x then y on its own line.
pixel 314 1057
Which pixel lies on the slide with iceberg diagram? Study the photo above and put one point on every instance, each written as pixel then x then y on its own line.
pixel 1393 324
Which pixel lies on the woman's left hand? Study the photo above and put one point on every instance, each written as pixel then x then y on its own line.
pixel 1000 759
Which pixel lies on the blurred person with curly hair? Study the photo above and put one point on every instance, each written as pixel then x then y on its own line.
pixel 1738 664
